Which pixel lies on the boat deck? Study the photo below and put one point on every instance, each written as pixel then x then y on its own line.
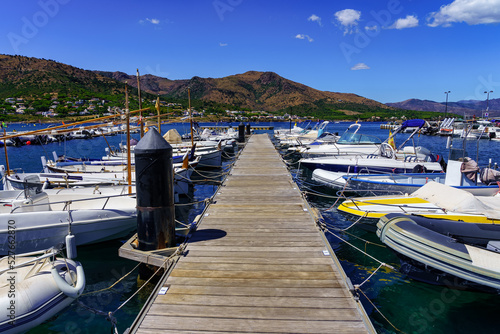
pixel 257 263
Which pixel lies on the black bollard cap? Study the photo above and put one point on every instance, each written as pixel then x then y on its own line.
pixel 152 142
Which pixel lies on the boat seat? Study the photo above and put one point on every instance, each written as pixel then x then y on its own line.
pixel 38 202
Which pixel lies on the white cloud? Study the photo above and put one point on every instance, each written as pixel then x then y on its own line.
pixel 348 18
pixel 410 21
pixel 302 36
pixel 315 18
pixel 222 44
pixel 360 66
pixel 471 12
pixel 153 21
pixel 372 28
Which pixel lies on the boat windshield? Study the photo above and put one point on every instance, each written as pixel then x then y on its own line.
pixel 358 139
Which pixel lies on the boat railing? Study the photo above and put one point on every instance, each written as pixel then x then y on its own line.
pixel 51 252
pixel 69 202
pixel 403 207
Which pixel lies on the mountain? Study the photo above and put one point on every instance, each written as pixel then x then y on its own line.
pixel 250 90
pixel 27 76
pixel 465 107
pixel 32 77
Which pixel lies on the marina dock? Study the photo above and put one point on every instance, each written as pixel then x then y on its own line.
pixel 258 263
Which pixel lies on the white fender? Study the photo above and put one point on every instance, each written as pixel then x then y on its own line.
pixel 65 287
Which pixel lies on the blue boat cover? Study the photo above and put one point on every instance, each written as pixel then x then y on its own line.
pixel 413 123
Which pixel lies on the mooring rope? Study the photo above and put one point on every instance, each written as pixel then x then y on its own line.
pixel 380 312
pixel 110 315
pixel 360 250
pixel 112 285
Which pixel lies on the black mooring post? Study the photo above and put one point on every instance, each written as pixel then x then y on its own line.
pixel 154 180
pixel 241 133
pixel 247 129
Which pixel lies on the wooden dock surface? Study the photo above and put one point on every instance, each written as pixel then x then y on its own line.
pixel 256 263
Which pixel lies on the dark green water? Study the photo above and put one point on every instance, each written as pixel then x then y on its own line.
pixel 411 306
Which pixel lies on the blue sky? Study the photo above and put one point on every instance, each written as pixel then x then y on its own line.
pixel 389 50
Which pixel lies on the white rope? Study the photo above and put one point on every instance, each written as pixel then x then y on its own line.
pixel 365 253
pixel 357 286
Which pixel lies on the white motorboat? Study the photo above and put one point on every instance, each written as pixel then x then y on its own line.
pixel 48 180
pixel 350 143
pixel 482 184
pixel 303 137
pixel 42 220
pixel 373 164
pixel 35 287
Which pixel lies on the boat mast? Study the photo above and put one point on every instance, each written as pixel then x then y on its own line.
pixel 5 149
pixel 190 116
pixel 158 110
pixel 140 103
pixel 129 164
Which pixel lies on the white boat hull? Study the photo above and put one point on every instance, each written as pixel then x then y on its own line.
pixel 45 229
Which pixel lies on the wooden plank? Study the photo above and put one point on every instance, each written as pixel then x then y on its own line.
pixel 254 267
pixel 253 325
pixel 248 282
pixel 260 260
pixel 293 251
pixel 256 291
pixel 256 301
pixel 250 312
pixel 257 243
pixel 262 274
pixel 252 254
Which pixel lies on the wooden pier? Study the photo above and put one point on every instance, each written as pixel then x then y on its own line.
pixel 257 264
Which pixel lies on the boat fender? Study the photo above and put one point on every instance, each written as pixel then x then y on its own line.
pixel 65 287
pixel 70 246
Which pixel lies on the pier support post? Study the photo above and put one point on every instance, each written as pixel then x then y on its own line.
pixel 154 179
pixel 241 132
pixel 248 129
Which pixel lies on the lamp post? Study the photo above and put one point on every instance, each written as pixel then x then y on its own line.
pixel 487 99
pixel 446 104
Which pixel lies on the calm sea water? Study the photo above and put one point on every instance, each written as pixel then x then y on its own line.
pixel 411 306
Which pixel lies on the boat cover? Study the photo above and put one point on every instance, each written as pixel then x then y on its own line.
pixel 173 137
pixel 458 200
pixel 417 123
pixel 469 168
pixel 489 176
